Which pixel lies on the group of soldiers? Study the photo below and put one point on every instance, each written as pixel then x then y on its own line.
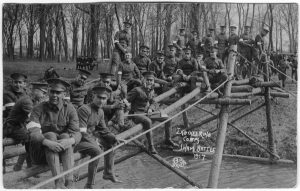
pixel 57 118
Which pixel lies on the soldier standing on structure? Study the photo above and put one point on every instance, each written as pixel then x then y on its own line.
pixel 118 55
pixel 54 131
pixel 78 89
pixel 245 49
pixel 232 40
pixel 259 53
pixel 194 43
pixel 283 66
pixel 179 42
pixel 142 61
pixel 222 39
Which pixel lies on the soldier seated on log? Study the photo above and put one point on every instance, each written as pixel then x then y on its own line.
pixel 142 61
pixel 116 103
pixel 215 69
pixel 142 103
pixel 94 132
pixel 171 62
pixel 203 71
pixel 78 89
pixel 157 66
pixel 54 131
pixel 15 123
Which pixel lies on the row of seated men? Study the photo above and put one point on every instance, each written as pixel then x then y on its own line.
pixel 56 127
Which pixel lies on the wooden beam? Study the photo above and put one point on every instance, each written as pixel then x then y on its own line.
pixel 13 152
pixel 168 93
pixel 255 91
pixel 280 94
pixel 9 141
pixel 224 113
pixel 240 82
pixel 242 88
pixel 266 84
pixel 227 101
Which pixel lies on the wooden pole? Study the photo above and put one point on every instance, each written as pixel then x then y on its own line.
pixel 227 101
pixel 242 88
pixel 280 94
pixel 185 117
pixel 168 93
pixel 271 140
pixel 224 113
pixel 9 141
pixel 169 166
pixel 266 84
pixel 13 152
pixel 255 91
pixel 240 82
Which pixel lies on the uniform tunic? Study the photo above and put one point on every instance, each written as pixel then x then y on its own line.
pixel 142 63
pixel 195 45
pixel 129 70
pixel 52 74
pixel 211 64
pixel 157 68
pixel 10 97
pixel 283 66
pixel 188 66
pixel 246 50
pixel 141 99
pixel 222 43
pixel 122 34
pixel 78 93
pixel 170 66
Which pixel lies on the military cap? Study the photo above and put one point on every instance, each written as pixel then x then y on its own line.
pixel 266 28
pixel 18 76
pixel 40 86
pixel 247 26
pixel 195 31
pixel 144 46
pixel 106 75
pixel 160 53
pixel 127 21
pixel 149 74
pixel 58 84
pixel 84 72
pixel 187 48
pixel 182 29
pixel 171 45
pixel 214 49
pixel 102 88
pixel 233 26
pixel 222 26
pixel 211 27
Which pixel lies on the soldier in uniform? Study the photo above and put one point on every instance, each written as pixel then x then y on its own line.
pixel 208 41
pixel 54 131
pixel 141 99
pixel 179 42
pixel 142 61
pixel 13 92
pixel 171 63
pixel 215 69
pixel 283 66
pixel 123 34
pixel 15 123
pixel 187 65
pixel 92 126
pixel 118 55
pixel 50 73
pixel 245 48
pixel 78 89
pixel 222 39
pixel 294 67
pixel 157 66
pixel 194 43
pixel 232 40
pixel 259 48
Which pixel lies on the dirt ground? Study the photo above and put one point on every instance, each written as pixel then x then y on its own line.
pixel 283 112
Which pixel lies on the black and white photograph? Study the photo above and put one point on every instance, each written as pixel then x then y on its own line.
pixel 149 94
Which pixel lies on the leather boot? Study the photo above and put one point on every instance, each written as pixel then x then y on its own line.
pixel 19 164
pixel 151 147
pixel 168 140
pixel 53 162
pixel 109 163
pixel 92 170
pixel 67 158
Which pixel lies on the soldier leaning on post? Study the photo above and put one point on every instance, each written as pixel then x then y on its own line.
pixel 78 89
pixel 123 34
pixel 142 61
pixel 245 48
pixel 215 69
pixel 171 63
pixel 259 48
pixel 15 123
pixel 179 42
pixel 283 66
pixel 222 39
pixel 141 99
pixel 94 132
pixel 194 43
pixel 294 67
pixel 54 131
pixel 13 92
pixel 118 55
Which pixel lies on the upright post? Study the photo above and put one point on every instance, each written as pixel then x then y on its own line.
pixel 185 117
pixel 224 113
pixel 271 143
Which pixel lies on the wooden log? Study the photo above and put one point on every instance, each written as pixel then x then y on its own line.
pixel 9 141
pixel 13 152
pixel 280 94
pixel 255 91
pixel 243 88
pixel 240 82
pixel 160 81
pixel 168 93
pixel 227 101
pixel 278 89
pixel 266 84
pixel 224 113
pixel 185 117
pixel 169 166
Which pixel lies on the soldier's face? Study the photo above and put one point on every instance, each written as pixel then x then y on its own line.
pixel 55 96
pixel 213 54
pixel 143 52
pixel 160 59
pixel 123 43
pixel 100 98
pixel 127 27
pixel 39 95
pixel 81 79
pixel 195 35
pixel 247 30
pixel 187 55
pixel 18 85
pixel 172 51
pixel 107 81
pixel 223 29
pixel 211 32
pixel 149 82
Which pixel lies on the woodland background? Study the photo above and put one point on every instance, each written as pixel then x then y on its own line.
pixel 62 32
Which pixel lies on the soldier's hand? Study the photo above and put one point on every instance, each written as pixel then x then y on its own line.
pixel 53 146
pixel 66 143
pixel 149 111
pixel 119 105
pixel 186 78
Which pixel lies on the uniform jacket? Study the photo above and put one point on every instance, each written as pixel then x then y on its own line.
pixel 129 70
pixel 141 99
pixel 78 93
pixel 171 64
pixel 142 63
pixel 188 66
pixel 157 68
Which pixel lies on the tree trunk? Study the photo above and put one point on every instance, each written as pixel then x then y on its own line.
pixel 82 34
pixel 66 47
pixel 20 39
pixel 117 15
pixel 42 24
pixel 93 36
pixel 168 25
pixel 252 20
pixel 271 28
